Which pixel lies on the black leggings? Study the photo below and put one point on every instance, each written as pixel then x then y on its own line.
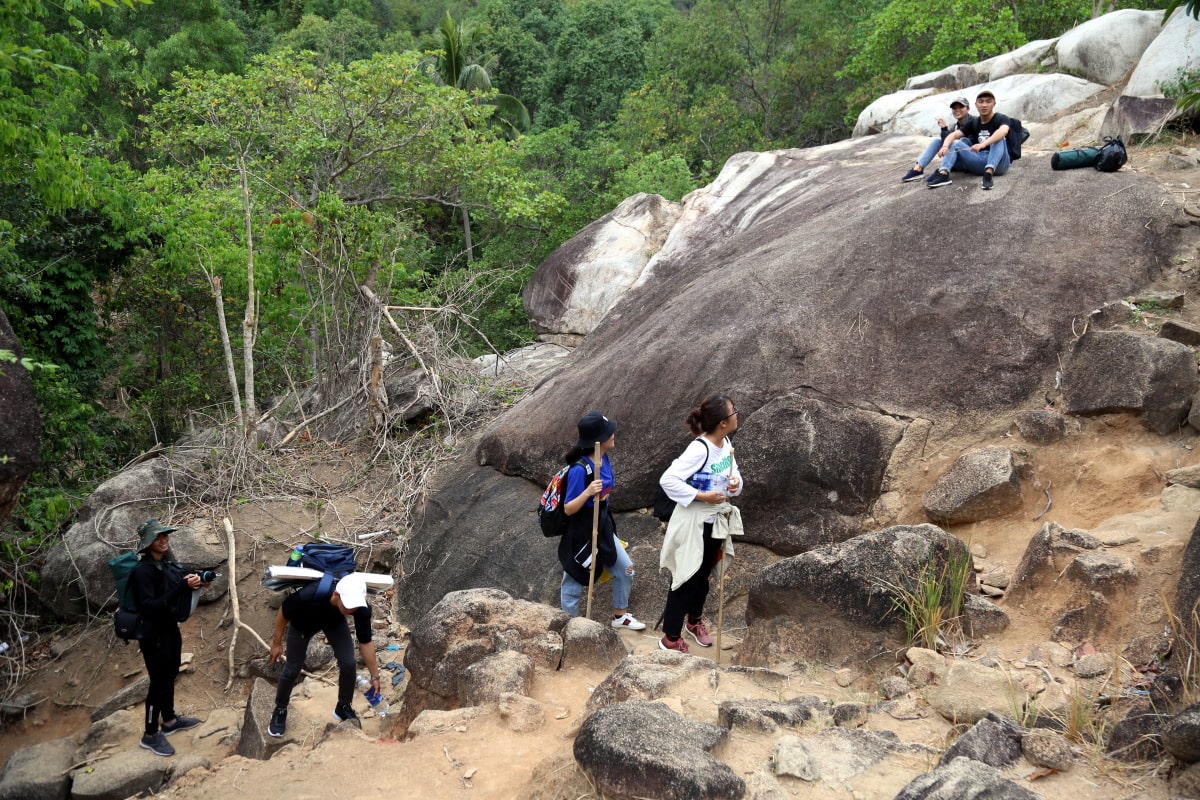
pixel 689 598
pixel 161 652
pixel 340 641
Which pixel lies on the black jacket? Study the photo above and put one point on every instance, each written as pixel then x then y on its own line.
pixel 160 591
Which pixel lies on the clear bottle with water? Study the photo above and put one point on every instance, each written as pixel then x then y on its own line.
pixel 378 704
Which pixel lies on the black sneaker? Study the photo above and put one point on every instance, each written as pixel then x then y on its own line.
pixel 939 179
pixel 344 713
pixel 278 724
pixel 181 723
pixel 157 744
pixel 987 180
pixel 911 175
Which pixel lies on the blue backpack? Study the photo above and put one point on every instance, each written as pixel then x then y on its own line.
pixel 335 560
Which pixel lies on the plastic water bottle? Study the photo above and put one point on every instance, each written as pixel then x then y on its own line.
pixel 375 698
pixel 294 558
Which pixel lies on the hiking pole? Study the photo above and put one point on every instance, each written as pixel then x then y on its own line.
pixel 595 535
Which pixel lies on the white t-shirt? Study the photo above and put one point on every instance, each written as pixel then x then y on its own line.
pixel 718 467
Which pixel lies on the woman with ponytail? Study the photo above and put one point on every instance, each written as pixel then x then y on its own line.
pixel 700 482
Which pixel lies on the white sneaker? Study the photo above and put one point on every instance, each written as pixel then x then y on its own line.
pixel 629 622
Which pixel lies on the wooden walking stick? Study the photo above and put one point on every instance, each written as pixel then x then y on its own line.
pixel 720 604
pixel 595 536
pixel 721 579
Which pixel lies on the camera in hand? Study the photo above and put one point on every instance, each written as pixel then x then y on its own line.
pixel 207 575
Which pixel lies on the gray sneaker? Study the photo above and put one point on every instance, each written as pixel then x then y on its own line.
pixel 181 723
pixel 987 180
pixel 157 744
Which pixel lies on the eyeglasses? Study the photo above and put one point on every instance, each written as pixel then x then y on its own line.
pixel 730 414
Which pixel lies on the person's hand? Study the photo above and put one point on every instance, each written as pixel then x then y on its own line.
pixel 375 683
pixel 941 121
pixel 629 569
pixel 193 580
pixel 734 483
pixel 595 488
pixel 976 147
pixel 713 496
pixel 943 151
pixel 276 653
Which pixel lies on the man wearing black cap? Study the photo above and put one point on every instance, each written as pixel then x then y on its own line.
pixel 159 585
pixel 959 108
pixel 979 148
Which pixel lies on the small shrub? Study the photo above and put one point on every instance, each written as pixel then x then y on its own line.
pixel 930 603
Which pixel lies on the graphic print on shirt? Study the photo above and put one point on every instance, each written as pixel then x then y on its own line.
pixel 718 476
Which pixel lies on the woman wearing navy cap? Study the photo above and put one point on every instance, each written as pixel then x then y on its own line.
pixel 587 485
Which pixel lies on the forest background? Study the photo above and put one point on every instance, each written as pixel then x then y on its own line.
pixel 165 164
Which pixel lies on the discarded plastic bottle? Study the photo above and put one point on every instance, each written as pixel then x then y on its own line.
pixel 378 704
pixel 294 558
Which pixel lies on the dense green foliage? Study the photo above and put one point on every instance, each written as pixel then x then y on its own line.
pixel 432 151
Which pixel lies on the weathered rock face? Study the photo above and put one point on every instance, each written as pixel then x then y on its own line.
pixel 1106 48
pixel 980 484
pixel 816 294
pixel 20 423
pixel 829 479
pixel 1119 371
pixel 615 249
pixel 641 749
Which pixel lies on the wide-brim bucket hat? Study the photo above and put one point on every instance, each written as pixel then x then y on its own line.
pixel 595 427
pixel 149 531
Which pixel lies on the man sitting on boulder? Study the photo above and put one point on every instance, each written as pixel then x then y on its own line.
pixel 959 107
pixel 988 155
pixel 304 613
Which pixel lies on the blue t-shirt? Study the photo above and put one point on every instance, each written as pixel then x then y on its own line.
pixel 577 481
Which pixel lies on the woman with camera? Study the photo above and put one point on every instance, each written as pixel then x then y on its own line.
pixel 160 587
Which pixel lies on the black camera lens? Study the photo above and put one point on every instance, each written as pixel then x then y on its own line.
pixel 207 576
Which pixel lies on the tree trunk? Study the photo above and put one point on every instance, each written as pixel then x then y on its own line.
pixel 250 320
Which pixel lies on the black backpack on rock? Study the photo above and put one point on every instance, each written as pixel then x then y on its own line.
pixel 1112 155
pixel 1016 136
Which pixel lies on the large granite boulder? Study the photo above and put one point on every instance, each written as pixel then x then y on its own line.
pixel 466 629
pixel 20 423
pixel 1104 49
pixel 836 601
pixel 773 286
pixel 1175 48
pixel 834 472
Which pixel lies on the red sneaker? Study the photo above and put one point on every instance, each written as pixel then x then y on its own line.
pixel 698 632
pixel 679 645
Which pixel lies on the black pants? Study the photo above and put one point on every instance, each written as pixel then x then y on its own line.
pixel 161 651
pixel 689 598
pixel 338 636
